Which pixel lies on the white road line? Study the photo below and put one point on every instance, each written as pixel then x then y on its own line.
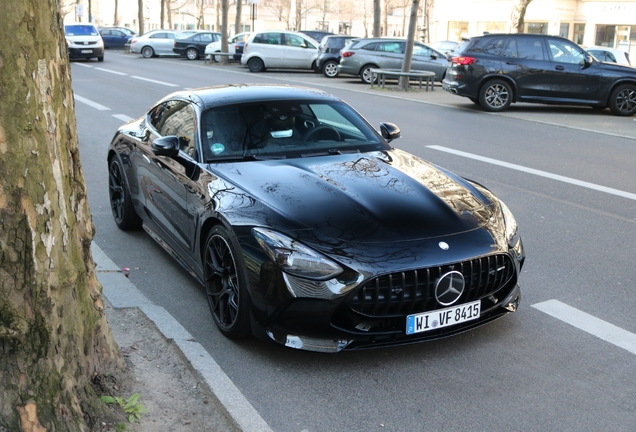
pixel 123 117
pixel 82 65
pixel 91 103
pixel 110 71
pixel 590 324
pixel 154 81
pixel 536 172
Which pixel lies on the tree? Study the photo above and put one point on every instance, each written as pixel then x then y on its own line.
pixel 225 9
pixel 408 53
pixel 54 337
pixel 518 16
pixel 377 16
pixel 140 15
pixel 237 19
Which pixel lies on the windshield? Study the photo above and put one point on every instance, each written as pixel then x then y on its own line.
pixel 80 30
pixel 285 129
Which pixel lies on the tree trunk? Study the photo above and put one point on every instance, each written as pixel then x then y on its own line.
pixel 237 21
pixel 408 53
pixel 225 6
pixel 377 15
pixel 54 337
pixel 162 13
pixel 169 12
pixel 140 15
pixel 518 16
pixel 299 15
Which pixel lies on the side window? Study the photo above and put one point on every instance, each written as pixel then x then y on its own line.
pixel 529 48
pixel 295 41
pixel 511 49
pixel 268 38
pixel 495 46
pixel 158 36
pixel 610 57
pixel 391 47
pixel 370 47
pixel 176 118
pixel 421 50
pixel 565 52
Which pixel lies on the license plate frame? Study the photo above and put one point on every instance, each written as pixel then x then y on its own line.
pixel 428 321
pixel 90 51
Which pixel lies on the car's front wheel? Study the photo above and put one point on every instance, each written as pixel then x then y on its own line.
pixel 366 76
pixel 192 54
pixel 255 65
pixel 147 52
pixel 226 283
pixel 495 96
pixel 120 202
pixel 622 101
pixel 330 69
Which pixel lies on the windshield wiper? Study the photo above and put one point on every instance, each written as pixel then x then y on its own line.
pixel 329 152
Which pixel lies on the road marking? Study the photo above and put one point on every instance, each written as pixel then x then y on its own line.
pixel 110 71
pixel 590 324
pixel 82 65
pixel 123 117
pixel 154 81
pixel 91 103
pixel 536 172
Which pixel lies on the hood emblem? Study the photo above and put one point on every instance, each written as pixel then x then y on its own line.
pixel 449 288
pixel 443 245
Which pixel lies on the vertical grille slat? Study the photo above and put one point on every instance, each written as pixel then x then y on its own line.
pixel 413 291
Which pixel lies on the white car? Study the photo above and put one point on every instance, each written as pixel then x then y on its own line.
pixel 83 41
pixel 280 50
pixel 231 46
pixel 155 43
pixel 607 54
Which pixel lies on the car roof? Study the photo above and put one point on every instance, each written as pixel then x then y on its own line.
pixel 231 94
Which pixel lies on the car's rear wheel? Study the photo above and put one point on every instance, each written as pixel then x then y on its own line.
pixel 622 101
pixel 192 54
pixel 495 95
pixel 226 283
pixel 366 76
pixel 255 65
pixel 147 52
pixel 330 69
pixel 120 202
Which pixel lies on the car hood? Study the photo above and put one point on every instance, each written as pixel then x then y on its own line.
pixel 370 197
pixel 619 68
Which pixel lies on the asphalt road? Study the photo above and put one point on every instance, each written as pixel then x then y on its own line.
pixel 566 360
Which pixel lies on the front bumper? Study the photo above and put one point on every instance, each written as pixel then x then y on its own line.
pixel 85 53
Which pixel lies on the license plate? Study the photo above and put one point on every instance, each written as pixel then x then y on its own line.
pixel 428 321
pixel 87 51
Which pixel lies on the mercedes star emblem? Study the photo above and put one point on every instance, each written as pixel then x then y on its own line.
pixel 449 288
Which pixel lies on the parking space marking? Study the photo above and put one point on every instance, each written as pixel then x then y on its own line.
pixel 154 81
pixel 91 103
pixel 123 117
pixel 110 71
pixel 536 172
pixel 589 323
pixel 82 64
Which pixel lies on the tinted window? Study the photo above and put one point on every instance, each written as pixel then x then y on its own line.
pixel 563 51
pixel 529 48
pixel 370 47
pixel 80 30
pixel 495 46
pixel 268 38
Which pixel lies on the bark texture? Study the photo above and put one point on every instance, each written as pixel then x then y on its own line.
pixel 518 16
pixel 54 337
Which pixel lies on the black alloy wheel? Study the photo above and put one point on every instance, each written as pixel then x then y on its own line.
pixel 622 101
pixel 192 54
pixel 225 284
pixel 120 202
pixel 366 76
pixel 255 65
pixel 330 69
pixel 495 96
pixel 147 52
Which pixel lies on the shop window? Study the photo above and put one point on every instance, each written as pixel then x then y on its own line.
pixel 457 30
pixel 536 28
pixel 491 27
pixel 564 30
pixel 579 31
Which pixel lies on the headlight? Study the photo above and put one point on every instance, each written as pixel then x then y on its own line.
pixel 295 258
pixel 510 222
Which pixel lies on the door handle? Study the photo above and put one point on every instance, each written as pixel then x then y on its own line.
pixel 559 68
pixel 511 63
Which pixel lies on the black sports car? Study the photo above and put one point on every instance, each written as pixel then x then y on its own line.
pixel 306 226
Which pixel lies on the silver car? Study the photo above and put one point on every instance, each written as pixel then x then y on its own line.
pixel 362 55
pixel 155 43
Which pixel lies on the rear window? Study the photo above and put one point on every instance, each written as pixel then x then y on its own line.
pixel 80 30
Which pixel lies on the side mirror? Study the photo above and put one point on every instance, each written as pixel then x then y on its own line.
pixel 389 131
pixel 434 56
pixel 166 146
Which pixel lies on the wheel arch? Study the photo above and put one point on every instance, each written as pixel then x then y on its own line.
pixel 610 89
pixel 373 65
pixel 485 80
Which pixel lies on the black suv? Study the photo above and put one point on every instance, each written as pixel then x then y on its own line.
pixel 497 69
pixel 329 57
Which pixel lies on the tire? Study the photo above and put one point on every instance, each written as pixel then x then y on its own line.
pixel 216 59
pixel 120 202
pixel 622 101
pixel 100 59
pixel 226 283
pixel 330 69
pixel 495 96
pixel 365 74
pixel 255 65
pixel 192 54
pixel 147 52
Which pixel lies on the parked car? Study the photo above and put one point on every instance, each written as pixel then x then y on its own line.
pixel 193 46
pixel 496 70
pixel 114 37
pixel 316 35
pixel 306 227
pixel 444 46
pixel 235 46
pixel 362 55
pixel 609 55
pixel 83 41
pixel 281 50
pixel 329 57
pixel 154 43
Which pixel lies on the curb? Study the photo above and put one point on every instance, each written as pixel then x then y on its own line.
pixel 121 293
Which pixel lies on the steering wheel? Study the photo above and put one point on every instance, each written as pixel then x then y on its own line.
pixel 326 132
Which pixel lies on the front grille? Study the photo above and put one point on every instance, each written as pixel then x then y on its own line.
pixel 413 291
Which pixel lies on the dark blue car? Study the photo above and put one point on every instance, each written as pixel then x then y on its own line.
pixel 114 37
